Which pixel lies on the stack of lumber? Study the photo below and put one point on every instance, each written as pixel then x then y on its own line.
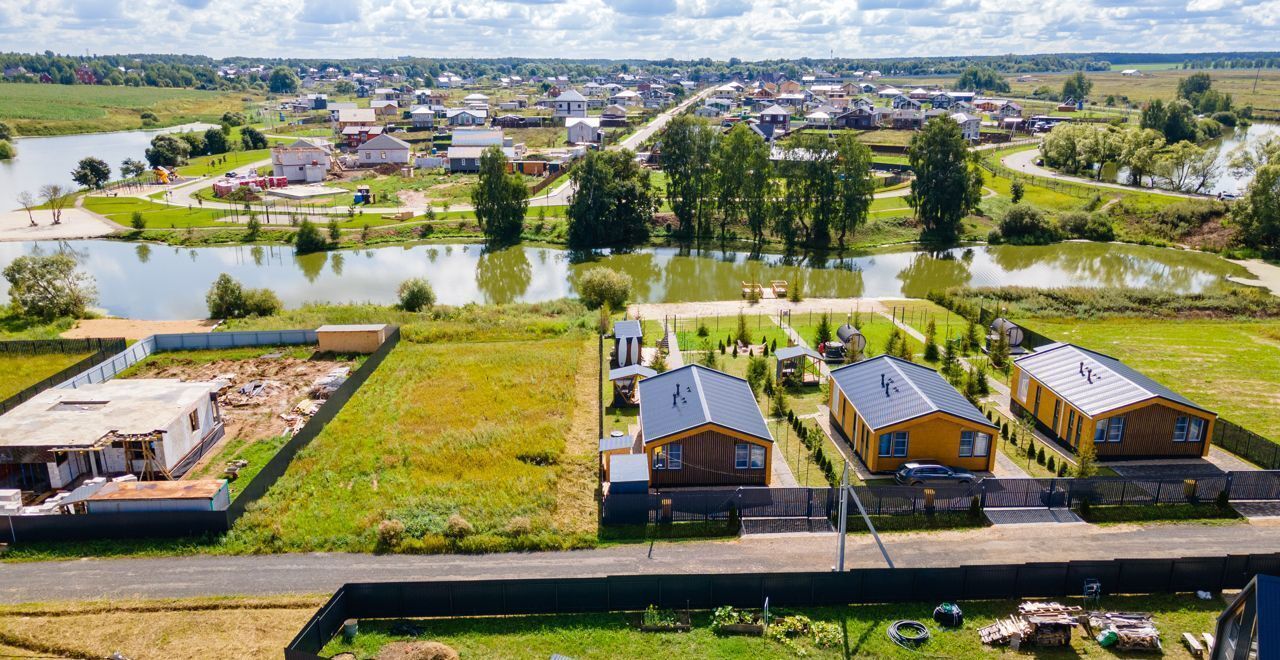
pixel 1004 631
pixel 1134 631
pixel 1038 624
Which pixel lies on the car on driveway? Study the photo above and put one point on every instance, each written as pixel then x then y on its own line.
pixel 920 473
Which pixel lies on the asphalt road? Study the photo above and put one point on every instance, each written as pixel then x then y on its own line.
pixel 323 572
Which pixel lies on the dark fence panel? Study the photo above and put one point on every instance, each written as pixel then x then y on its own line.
pixel 99 350
pixel 1243 442
pixel 384 600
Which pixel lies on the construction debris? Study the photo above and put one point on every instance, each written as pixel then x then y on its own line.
pixel 327 384
pixel 1036 624
pixel 1127 631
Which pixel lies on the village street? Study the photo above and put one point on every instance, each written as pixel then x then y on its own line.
pixel 315 573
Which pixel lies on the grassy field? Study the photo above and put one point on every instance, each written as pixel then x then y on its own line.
pixel 17 326
pixel 242 627
pixel 477 430
pixel 157 216
pixel 860 632
pixel 22 371
pixel 206 165
pixel 1231 367
pixel 33 109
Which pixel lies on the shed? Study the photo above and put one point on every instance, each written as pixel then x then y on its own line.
pixel 625 381
pixel 628 473
pixel 144 496
pixel 352 338
pixel 628 338
pixel 615 444
pixel 798 363
pixel 853 340
pixel 1012 333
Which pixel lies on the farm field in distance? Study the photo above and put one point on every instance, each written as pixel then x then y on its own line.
pixel 1231 367
pixel 34 109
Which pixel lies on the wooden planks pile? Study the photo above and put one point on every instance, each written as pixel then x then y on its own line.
pixel 1135 631
pixel 1037 624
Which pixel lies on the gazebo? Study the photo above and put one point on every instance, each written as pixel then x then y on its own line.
pixel 799 363
pixel 624 381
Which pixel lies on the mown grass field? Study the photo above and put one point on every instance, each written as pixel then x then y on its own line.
pixel 1231 367
pixel 862 634
pixel 22 371
pixel 478 430
pixel 33 109
pixel 222 163
pixel 157 216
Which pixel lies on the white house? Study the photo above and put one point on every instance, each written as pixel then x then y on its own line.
pixel 627 99
pixel 383 150
pixel 151 428
pixel 970 126
pixel 304 161
pixel 583 129
pixel 423 116
pixel 570 104
pixel 466 117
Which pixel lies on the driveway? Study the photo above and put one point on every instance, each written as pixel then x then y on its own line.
pixel 323 572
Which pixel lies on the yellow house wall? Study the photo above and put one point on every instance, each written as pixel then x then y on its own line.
pixel 935 436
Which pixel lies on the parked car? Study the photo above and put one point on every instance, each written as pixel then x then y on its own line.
pixel 920 473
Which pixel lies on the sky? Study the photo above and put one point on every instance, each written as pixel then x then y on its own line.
pixel 644 29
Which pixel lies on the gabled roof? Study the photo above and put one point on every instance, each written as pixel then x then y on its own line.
pixel 775 110
pixel 385 141
pixel 630 328
pixel 571 95
pixel 796 351
pixel 1106 384
pixel 705 396
pixel 914 391
pixel 593 122
pixel 631 371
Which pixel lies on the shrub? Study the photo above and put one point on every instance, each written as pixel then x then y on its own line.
pixel 519 526
pixel 47 287
pixel 1186 215
pixel 390 534
pixel 6 150
pixel 1016 190
pixel 1040 456
pixel 1052 465
pixel 261 302
pixel 416 295
pixel 136 221
pixel 308 239
pixel 227 299
pixel 457 528
pixel 1026 225
pixel 1089 226
pixel 757 370
pixel 604 286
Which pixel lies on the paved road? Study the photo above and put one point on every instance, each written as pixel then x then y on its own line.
pixel 319 573
pixel 1025 162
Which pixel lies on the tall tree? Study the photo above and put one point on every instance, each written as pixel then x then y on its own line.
pixel 167 151
pixel 613 202
pixel 811 201
pixel 251 138
pixel 741 168
pixel 91 172
pixel 856 187
pixel 499 198
pixel 982 79
pixel 1258 212
pixel 1077 86
pixel 687 146
pixel 946 186
pixel 48 287
pixel 283 80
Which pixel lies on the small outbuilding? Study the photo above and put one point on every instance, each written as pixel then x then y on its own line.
pixel 799 364
pixel 628 339
pixel 148 496
pixel 1013 334
pixel 352 338
pixel 626 381
pixel 613 445
pixel 628 474
pixel 1249 627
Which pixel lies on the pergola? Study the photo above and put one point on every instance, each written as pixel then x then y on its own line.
pixel 800 363
pixel 624 381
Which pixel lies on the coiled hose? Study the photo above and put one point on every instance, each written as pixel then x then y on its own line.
pixel 908 634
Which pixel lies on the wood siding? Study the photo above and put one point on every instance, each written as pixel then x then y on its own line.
pixel 708 460
pixel 935 436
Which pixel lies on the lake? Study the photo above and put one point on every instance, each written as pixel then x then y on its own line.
pixel 1248 137
pixel 149 281
pixel 45 160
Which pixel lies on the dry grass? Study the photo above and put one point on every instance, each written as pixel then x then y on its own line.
pixel 256 627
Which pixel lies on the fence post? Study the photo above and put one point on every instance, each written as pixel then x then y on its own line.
pixel 1124 488
pixel 1159 486
pixel 1227 488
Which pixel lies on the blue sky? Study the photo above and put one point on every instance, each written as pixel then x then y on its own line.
pixel 749 29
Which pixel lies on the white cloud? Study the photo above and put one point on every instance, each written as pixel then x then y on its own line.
pixel 748 29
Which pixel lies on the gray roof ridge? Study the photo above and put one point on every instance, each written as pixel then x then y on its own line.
pixel 896 367
pixel 702 395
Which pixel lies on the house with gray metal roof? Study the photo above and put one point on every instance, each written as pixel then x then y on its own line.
pixel 702 427
pixel 1077 395
pixel 892 411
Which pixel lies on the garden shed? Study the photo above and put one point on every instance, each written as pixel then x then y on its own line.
pixel 852 339
pixel 625 383
pixel 613 445
pixel 1012 332
pixel 628 474
pixel 351 338
pixel 799 364
pixel 145 496
pixel 1250 626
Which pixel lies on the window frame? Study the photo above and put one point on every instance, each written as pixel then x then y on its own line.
pixel 741 456
pixel 757 452
pixel 675 456
pixel 1199 424
pixel 1180 427
pixel 893 438
pixel 1024 385
pixel 193 420
pixel 963 453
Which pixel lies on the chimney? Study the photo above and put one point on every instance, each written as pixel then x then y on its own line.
pixel 1082 367
pixel 1090 376
pixel 881 380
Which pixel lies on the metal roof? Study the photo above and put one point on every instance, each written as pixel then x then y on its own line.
pixel 1093 382
pixel 631 370
pixel 914 391
pixel 571 95
pixel 705 396
pixel 615 442
pixel 622 329
pixel 629 467
pixel 796 351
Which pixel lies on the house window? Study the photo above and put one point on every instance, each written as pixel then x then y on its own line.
pixel 383 155
pixel 1024 383
pixel 194 419
pixel 747 456
pixel 973 443
pixel 1110 429
pixel 1188 429
pixel 1180 430
pixel 675 452
pixel 1057 410
pixel 1035 410
pixel 893 444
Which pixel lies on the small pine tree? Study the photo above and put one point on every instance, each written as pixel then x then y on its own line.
pixel 1000 351
pixel 1052 465
pixel 335 232
pixel 743 335
pixel 252 228
pixel 971 337
pixel 735 350
pixel 795 291
pixel 137 222
pixel 773 346
pixel 823 334
pixel 1086 460
pixel 950 362
pixel 1040 456
pixel 659 363
pixel 778 404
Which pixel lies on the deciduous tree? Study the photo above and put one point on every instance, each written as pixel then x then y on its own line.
pixel 946 186
pixel 499 199
pixel 48 287
pixel 91 172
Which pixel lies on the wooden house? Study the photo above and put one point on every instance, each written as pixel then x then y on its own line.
pixel 892 412
pixel 702 427
pixel 1078 395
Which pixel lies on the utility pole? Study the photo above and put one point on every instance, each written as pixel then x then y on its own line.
pixel 844 516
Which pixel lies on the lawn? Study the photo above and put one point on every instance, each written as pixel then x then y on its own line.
pixel 33 109
pixel 14 325
pixel 1231 367
pixel 156 216
pixel 722 329
pixel 222 163
pixel 476 432
pixel 23 371
pixel 860 632
pixel 874 327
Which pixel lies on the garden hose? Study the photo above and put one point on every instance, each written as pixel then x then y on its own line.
pixel 908 634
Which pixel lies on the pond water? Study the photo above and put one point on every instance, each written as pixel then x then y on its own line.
pixel 149 281
pixel 45 160
pixel 1248 138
